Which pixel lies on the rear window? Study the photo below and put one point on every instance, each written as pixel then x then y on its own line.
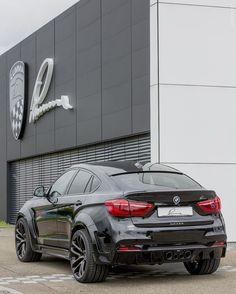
pixel 155 180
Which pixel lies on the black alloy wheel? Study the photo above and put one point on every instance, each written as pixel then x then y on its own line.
pixel 202 267
pixel 84 269
pixel 78 256
pixel 24 251
pixel 20 240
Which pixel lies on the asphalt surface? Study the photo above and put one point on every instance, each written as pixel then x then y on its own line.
pixel 52 275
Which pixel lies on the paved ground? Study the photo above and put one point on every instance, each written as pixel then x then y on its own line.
pixel 53 275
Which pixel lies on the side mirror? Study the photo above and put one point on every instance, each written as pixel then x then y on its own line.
pixel 53 197
pixel 40 192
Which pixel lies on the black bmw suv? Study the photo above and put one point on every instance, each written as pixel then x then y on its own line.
pixel 104 214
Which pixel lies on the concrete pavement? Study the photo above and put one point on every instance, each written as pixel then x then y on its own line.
pixel 52 275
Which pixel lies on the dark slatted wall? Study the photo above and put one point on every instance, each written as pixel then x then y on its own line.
pixel 26 175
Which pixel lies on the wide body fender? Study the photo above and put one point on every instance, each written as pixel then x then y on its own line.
pixel 83 220
pixel 28 216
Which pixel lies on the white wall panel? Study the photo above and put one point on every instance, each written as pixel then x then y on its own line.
pixel 198 124
pixel 197 45
pixel 220 178
pixel 154 79
pixel 152 2
pixel 153 44
pixel 220 3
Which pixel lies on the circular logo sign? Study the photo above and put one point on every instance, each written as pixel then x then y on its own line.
pixel 17 96
pixel 176 200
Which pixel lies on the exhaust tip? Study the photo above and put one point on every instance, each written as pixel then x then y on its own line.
pixel 169 255
pixel 175 256
pixel 187 254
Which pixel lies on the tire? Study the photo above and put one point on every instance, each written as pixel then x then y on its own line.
pixel 24 251
pixel 84 269
pixel 202 267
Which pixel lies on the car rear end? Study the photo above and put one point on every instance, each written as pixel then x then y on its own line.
pixel 166 223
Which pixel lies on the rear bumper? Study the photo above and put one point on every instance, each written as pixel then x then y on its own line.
pixel 155 242
pixel 157 247
pixel 169 254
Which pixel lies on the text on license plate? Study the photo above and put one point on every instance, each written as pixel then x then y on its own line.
pixel 175 211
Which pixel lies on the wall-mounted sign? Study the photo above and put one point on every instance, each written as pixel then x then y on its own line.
pixel 41 88
pixel 18 92
pixel 18 100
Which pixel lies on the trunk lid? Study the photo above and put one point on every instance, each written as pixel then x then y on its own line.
pixel 172 208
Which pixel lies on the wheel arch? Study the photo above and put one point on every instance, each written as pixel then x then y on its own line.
pixel 79 226
pixel 85 221
pixel 27 215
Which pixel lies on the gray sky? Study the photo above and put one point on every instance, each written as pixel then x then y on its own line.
pixel 20 18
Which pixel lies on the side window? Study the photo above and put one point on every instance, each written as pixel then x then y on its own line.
pixel 92 185
pixel 95 184
pixel 80 182
pixel 61 184
pixel 88 188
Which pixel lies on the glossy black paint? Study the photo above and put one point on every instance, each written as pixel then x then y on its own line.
pixel 52 222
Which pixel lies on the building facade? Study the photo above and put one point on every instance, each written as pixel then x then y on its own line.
pixel 122 79
pixel 96 54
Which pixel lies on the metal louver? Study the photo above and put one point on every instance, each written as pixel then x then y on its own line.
pixel 25 175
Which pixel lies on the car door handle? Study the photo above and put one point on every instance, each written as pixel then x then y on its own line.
pixel 78 203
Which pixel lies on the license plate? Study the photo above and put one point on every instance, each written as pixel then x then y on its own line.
pixel 175 211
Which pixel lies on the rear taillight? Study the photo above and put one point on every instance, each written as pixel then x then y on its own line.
pixel 128 248
pixel 210 206
pixel 219 244
pixel 124 208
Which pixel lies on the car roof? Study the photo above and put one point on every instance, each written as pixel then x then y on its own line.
pixel 126 166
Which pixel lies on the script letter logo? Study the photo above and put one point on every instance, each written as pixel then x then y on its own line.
pixel 41 88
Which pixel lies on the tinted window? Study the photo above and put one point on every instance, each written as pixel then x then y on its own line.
pixel 95 184
pixel 88 188
pixel 92 185
pixel 61 184
pixel 80 182
pixel 151 181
